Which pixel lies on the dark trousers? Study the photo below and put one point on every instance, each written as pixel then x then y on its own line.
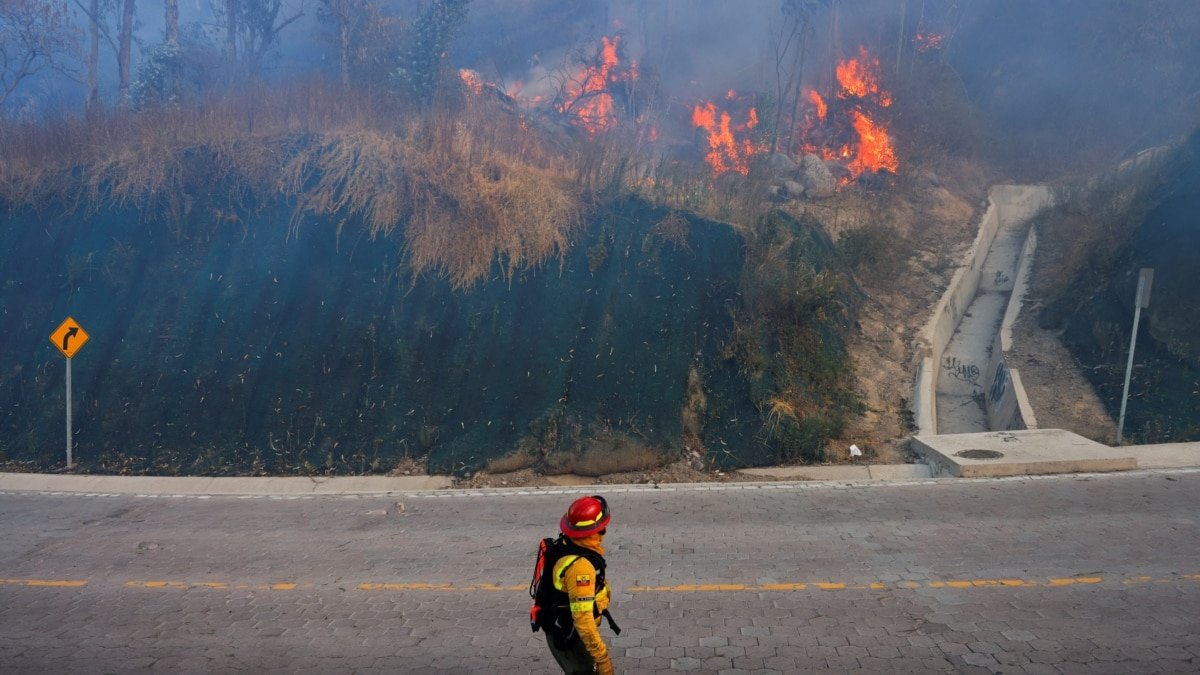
pixel 572 656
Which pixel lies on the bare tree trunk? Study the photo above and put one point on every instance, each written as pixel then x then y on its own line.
pixel 126 39
pixel 803 47
pixel 912 55
pixel 344 44
pixel 781 48
pixel 172 20
pixel 834 52
pixel 900 38
pixel 231 28
pixel 93 58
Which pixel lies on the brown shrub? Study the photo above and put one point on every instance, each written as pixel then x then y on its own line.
pixel 616 454
pixel 514 461
pixel 464 202
pixel 469 188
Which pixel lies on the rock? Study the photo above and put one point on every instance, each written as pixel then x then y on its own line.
pixel 781 165
pixel 792 189
pixel 872 180
pixel 817 179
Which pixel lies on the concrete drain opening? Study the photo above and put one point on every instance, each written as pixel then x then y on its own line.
pixel 979 454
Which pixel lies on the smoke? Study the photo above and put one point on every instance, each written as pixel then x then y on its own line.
pixel 1053 82
pixel 1069 80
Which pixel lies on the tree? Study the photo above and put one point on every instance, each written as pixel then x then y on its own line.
pixel 93 57
pixel 791 46
pixel 183 68
pixel 35 35
pixel 171 19
pixel 344 13
pixel 124 40
pixel 97 12
pixel 365 39
pixel 420 66
pixel 252 28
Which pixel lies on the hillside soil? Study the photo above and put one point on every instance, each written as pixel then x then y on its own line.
pixel 933 227
pixel 930 226
pixel 1061 397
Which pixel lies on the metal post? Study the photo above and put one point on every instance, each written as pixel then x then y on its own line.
pixel 1137 315
pixel 69 413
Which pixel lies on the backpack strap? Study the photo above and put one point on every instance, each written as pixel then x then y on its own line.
pixel 575 553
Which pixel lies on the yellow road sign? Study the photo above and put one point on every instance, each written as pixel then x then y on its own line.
pixel 69 337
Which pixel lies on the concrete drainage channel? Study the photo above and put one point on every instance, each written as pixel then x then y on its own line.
pixel 971 411
pixel 963 383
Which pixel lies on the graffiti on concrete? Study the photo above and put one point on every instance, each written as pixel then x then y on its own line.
pixel 967 372
pixel 999 384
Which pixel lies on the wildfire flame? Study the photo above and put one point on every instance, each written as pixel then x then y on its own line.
pixel 875 151
pixel 587 100
pixel 847 130
pixel 819 103
pixel 926 42
pixel 472 80
pixel 859 78
pixel 730 146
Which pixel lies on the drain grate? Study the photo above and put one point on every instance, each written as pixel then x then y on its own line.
pixel 979 454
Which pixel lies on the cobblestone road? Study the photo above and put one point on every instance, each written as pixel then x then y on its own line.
pixel 1065 574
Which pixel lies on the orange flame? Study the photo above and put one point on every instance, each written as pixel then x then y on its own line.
pixel 848 130
pixel 729 146
pixel 875 151
pixel 859 78
pixel 822 108
pixel 928 41
pixel 587 100
pixel 472 80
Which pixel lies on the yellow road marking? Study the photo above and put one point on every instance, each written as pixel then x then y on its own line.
pixel 45 583
pixel 906 585
pixel 419 586
pixel 1052 582
pixel 184 585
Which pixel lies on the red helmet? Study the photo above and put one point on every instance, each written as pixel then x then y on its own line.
pixel 585 516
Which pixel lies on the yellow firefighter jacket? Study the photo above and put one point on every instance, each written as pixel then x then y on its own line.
pixel 576 576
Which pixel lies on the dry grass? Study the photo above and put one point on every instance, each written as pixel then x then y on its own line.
pixel 674 229
pixel 514 461
pixel 779 412
pixel 469 189
pixel 462 206
pixel 615 454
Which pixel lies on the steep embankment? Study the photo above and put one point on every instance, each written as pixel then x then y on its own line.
pixel 233 342
pixel 1096 311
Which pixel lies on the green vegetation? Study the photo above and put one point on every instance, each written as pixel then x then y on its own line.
pixel 419 71
pixel 789 341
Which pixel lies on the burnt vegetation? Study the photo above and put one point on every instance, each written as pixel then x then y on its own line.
pixel 482 182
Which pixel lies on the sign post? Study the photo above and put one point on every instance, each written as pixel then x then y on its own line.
pixel 1145 279
pixel 68 338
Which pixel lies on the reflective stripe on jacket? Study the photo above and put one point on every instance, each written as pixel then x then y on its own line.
pixel 576 576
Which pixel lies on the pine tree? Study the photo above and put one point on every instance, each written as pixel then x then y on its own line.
pixel 419 70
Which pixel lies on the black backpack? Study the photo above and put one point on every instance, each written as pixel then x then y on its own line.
pixel 550 610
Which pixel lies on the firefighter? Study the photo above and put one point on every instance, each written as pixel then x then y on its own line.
pixel 583 651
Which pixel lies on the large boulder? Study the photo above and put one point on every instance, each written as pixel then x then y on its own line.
pixel 815 176
pixel 793 189
pixel 781 165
